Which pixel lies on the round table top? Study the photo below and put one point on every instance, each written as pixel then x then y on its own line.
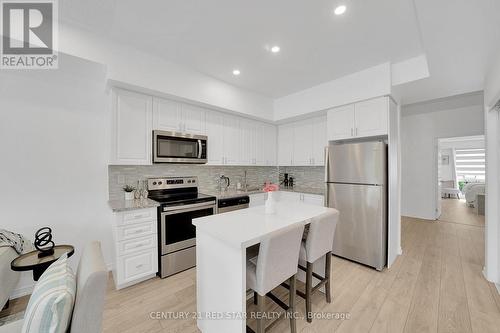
pixel 30 260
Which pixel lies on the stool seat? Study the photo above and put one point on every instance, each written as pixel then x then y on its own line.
pixel 276 262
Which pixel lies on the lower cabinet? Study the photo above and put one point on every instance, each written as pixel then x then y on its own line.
pixel 135 247
pixel 257 199
pixel 312 199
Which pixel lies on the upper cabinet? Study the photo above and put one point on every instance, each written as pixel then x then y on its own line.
pixel 302 143
pixel 363 119
pixel 131 134
pixel 232 140
pixel 178 117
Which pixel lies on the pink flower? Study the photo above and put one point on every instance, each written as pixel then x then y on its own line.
pixel 271 187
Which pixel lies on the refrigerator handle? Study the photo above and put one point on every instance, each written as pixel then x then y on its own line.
pixel 327 170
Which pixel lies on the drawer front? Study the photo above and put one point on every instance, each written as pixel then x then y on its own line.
pixel 137 216
pixel 136 266
pixel 137 244
pixel 136 230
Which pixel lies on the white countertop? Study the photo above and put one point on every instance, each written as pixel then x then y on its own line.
pixel 246 227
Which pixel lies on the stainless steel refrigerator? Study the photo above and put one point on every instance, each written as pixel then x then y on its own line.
pixel 356 185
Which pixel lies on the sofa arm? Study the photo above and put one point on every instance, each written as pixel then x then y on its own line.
pixel 13 327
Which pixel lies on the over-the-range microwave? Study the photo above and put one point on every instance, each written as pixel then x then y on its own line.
pixel 175 147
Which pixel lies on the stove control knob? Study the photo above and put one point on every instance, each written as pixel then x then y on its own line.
pixel 159 183
pixel 154 183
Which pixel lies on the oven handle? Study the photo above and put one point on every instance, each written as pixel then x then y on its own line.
pixel 188 208
pixel 200 147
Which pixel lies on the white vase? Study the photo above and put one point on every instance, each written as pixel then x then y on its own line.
pixel 129 195
pixel 270 203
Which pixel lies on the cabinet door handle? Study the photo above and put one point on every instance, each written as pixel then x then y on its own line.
pixel 139 266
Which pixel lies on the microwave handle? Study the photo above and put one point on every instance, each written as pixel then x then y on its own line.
pixel 200 147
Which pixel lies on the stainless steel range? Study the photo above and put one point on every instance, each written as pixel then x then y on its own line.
pixel 180 204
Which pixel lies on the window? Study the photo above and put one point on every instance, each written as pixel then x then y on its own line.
pixel 470 164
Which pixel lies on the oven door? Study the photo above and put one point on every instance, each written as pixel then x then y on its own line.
pixel 173 147
pixel 177 229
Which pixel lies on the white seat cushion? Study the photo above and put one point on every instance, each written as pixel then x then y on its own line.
pixel 51 304
pixel 252 273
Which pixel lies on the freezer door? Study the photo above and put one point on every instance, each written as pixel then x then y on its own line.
pixel 361 233
pixel 359 163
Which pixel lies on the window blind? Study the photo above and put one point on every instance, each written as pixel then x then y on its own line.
pixel 470 164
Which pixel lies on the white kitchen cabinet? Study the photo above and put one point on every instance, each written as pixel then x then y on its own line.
pixel 215 133
pixel 167 115
pixel 285 144
pixel 269 144
pixel 257 199
pixel 178 117
pixel 194 119
pixel 313 199
pixel 358 120
pixel 320 140
pixel 341 123
pixel 131 133
pixel 302 142
pixel 260 145
pixel 232 137
pixel 372 117
pixel 135 246
pixel 247 142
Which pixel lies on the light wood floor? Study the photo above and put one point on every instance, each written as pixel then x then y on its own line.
pixel 435 286
pixel 457 211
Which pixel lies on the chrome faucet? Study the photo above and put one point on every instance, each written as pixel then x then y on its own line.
pixel 224 181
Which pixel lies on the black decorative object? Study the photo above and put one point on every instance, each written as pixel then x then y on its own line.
pixel 44 243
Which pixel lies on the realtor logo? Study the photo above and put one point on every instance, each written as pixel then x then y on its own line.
pixel 29 34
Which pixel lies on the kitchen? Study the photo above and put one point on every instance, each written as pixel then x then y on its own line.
pixel 199 162
pixel 184 150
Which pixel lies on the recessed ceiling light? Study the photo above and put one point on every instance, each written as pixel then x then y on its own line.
pixel 340 10
pixel 236 72
pixel 275 49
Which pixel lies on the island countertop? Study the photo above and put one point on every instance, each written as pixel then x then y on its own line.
pixel 246 227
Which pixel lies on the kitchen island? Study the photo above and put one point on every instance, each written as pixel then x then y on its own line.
pixel 221 242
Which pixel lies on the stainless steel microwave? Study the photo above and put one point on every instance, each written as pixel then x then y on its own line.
pixel 174 147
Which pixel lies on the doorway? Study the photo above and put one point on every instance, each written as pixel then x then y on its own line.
pixel 461 178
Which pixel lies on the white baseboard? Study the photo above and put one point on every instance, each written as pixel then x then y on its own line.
pixel 498 287
pixel 22 291
pixel 400 251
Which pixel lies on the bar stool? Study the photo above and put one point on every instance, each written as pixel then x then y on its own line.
pixel 276 263
pixel 318 242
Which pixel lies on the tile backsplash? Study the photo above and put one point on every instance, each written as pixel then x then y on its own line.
pixel 307 179
pixel 120 175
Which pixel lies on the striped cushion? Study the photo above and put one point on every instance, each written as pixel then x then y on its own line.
pixel 51 304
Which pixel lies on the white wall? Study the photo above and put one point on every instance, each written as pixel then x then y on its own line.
pixel 492 123
pixel 421 126
pixel 53 145
pixel 138 68
pixel 366 84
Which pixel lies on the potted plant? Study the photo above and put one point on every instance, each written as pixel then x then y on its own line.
pixel 129 192
pixel 270 202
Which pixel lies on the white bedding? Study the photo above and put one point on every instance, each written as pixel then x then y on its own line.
pixel 471 191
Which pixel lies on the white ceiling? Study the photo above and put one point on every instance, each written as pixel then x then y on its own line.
pixel 216 36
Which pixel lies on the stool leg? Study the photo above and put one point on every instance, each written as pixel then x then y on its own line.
pixel 261 308
pixel 328 266
pixel 309 277
pixel 254 298
pixel 291 304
